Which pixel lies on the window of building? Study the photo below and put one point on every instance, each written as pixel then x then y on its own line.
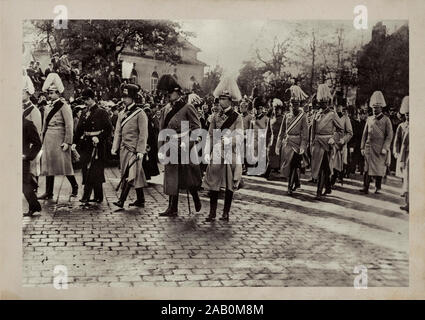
pixel 154 80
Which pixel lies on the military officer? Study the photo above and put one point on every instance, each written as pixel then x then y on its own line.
pixel 31 145
pixel 178 176
pixel 292 143
pixel 404 153
pixel 57 138
pixel 92 133
pixel 31 112
pixel 224 172
pixel 325 124
pixel 340 147
pixel 376 143
pixel 130 138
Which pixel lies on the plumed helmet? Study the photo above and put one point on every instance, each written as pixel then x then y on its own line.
pixel 404 105
pixel 297 94
pixel 168 83
pixel 277 103
pixel 53 82
pixel 377 100
pixel 323 93
pixel 194 99
pixel 228 88
pixel 28 85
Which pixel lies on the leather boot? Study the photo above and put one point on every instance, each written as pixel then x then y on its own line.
pixel 50 182
pixel 140 202
pixel 172 207
pixel 87 193
pixel 378 184
pixel 196 200
pixel 74 185
pixel 366 182
pixel 213 206
pixel 123 197
pixel 228 196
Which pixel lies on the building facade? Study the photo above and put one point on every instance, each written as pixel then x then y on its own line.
pixel 147 70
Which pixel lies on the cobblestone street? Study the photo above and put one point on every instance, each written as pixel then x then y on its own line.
pixel 270 240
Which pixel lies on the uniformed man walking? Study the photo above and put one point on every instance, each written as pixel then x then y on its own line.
pixel 184 175
pixel 376 143
pixel 93 131
pixel 224 171
pixel 325 124
pixel 292 143
pixel 130 138
pixel 57 137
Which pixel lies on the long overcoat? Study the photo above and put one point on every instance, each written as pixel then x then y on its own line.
pixel 130 138
pixel 273 127
pixel 55 161
pixel 179 176
pixel 397 144
pixel 323 128
pixel 93 120
pixel 377 136
pixel 341 139
pixel 225 171
pixel 293 136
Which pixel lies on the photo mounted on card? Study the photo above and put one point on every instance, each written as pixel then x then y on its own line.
pixel 261 152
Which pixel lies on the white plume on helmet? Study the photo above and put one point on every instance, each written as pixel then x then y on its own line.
pixel 53 82
pixel 404 105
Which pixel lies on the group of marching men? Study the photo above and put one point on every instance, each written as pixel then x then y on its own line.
pixel 329 134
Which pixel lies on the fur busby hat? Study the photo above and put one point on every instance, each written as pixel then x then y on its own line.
pixel 404 105
pixel 228 88
pixel 258 102
pixel 130 90
pixel 53 82
pixel 28 85
pixel 87 93
pixel 377 100
pixel 168 83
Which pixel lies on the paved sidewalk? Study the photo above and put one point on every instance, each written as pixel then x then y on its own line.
pixel 271 239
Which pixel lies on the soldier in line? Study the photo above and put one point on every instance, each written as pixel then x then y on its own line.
pixel 93 131
pixel 376 143
pixel 179 176
pixel 273 126
pixel 404 153
pixel 224 171
pixel 292 143
pixel 57 138
pixel 31 145
pixel 340 156
pixel 131 136
pixel 325 123
pixel 31 112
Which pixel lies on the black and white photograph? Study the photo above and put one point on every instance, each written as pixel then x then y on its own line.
pixel 168 150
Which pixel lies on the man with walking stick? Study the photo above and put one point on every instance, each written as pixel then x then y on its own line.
pixel 131 135
pixel 91 136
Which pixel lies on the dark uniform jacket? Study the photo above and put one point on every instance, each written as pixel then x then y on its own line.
pixel 180 176
pixel 31 146
pixel 93 120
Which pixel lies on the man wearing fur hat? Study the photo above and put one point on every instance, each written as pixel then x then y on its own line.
pixel 273 127
pixel 224 171
pixel 376 143
pixel 325 123
pixel 57 138
pixel 130 138
pixel 178 176
pixel 92 133
pixel 292 141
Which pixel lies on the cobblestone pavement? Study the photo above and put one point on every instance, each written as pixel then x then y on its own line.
pixel 270 240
